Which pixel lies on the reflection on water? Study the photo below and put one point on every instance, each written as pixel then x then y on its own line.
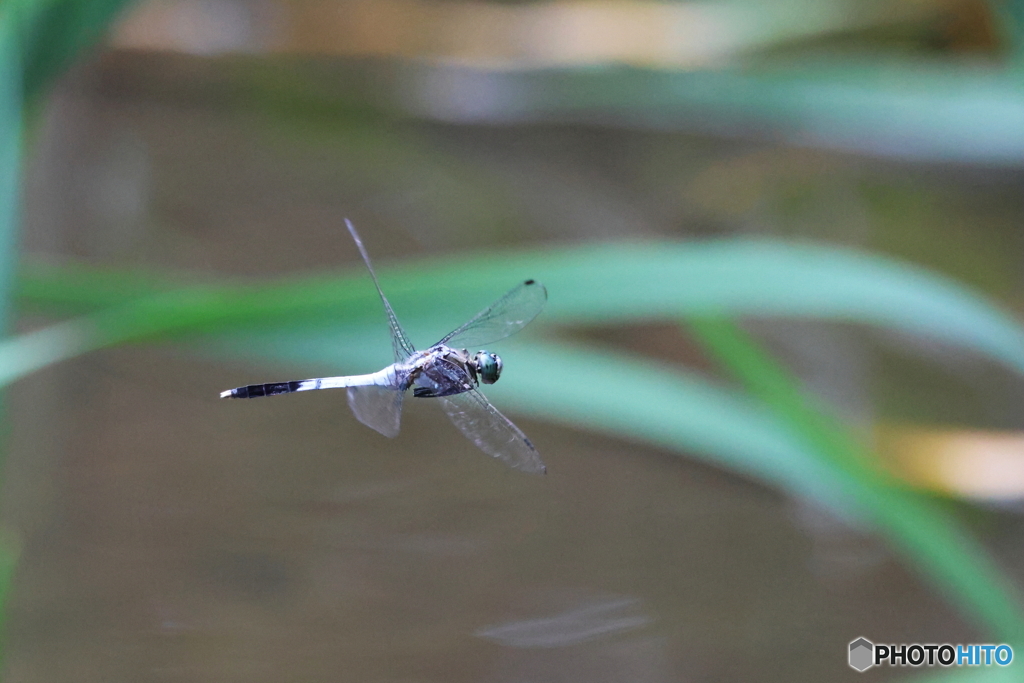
pixel 586 622
pixel 586 642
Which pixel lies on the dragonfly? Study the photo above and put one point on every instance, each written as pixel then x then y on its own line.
pixel 446 371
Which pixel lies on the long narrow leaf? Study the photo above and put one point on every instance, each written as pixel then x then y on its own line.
pixel 10 168
pixel 55 32
pixel 914 524
pixel 10 149
pixel 610 283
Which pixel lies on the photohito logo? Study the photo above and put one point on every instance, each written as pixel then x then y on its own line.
pixel 864 654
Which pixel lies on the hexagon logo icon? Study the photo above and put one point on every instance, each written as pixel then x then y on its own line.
pixel 862 654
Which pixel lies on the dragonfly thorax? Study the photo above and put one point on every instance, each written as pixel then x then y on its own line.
pixel 487 366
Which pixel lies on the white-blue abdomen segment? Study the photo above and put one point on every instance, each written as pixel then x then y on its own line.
pixel 383 378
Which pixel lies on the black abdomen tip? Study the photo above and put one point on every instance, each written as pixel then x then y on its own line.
pixel 257 390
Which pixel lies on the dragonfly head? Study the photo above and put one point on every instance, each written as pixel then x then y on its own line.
pixel 488 366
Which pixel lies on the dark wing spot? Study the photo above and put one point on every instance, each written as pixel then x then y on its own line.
pixel 530 282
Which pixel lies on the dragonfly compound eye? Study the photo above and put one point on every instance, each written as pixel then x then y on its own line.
pixel 488 366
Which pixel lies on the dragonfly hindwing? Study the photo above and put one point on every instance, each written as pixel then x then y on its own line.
pixel 491 431
pixel 377 407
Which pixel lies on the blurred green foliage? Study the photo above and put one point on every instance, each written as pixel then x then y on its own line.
pixel 51 34
pixel 10 164
pixel 774 432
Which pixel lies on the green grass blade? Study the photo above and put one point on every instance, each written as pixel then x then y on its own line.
pixel 603 284
pixel 56 31
pixel 915 525
pixel 10 186
pixel 10 151
pixel 24 354
pixel 918 108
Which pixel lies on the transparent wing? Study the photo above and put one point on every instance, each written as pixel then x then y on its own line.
pixel 400 343
pixel 504 317
pixel 377 407
pixel 491 431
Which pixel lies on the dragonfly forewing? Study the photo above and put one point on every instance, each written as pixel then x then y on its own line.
pixel 400 343
pixel 504 317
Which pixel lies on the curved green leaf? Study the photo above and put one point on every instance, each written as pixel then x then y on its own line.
pixel 607 283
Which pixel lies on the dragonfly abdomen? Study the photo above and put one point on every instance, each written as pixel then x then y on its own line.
pixel 388 377
pixel 271 389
